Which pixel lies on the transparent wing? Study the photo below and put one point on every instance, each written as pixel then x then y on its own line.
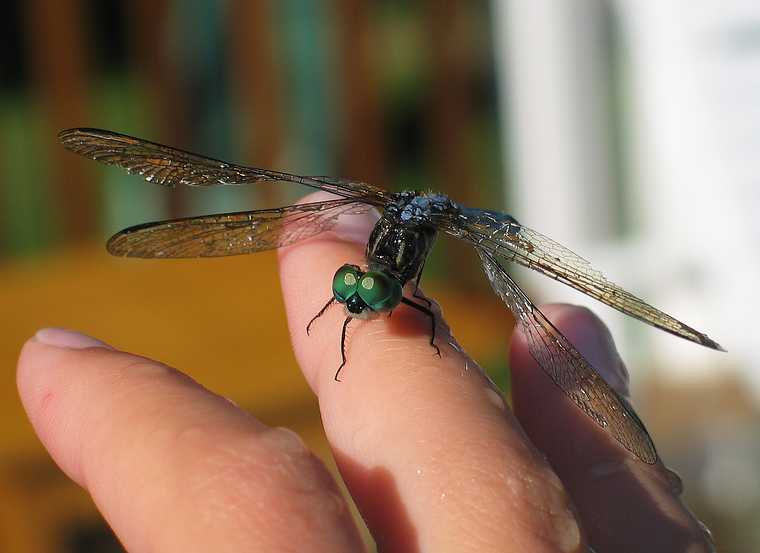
pixel 568 368
pixel 504 237
pixel 231 233
pixel 170 166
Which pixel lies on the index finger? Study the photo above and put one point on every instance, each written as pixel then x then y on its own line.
pixel 426 445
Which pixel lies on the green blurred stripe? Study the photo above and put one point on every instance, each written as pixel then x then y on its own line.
pixel 204 65
pixel 120 105
pixel 304 40
pixel 28 221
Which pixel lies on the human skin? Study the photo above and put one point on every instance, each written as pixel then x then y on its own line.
pixel 431 454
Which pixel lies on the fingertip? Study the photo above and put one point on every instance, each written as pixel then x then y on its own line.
pixel 49 373
pixel 55 356
pixel 350 227
pixel 306 271
pixel 590 336
pixel 25 369
pixel 564 432
pixel 597 470
pixel 36 368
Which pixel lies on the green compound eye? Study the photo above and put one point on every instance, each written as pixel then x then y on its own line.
pixel 379 291
pixel 345 282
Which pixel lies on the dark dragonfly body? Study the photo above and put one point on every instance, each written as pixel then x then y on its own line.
pixel 404 235
pixel 396 254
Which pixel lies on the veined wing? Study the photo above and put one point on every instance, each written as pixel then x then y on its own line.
pixel 568 368
pixel 231 233
pixel 505 238
pixel 169 166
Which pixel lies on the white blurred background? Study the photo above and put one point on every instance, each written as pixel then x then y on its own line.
pixel 634 132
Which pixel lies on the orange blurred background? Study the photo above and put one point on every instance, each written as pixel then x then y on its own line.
pixel 403 96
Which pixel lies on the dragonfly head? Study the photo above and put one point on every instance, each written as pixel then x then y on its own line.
pixel 364 293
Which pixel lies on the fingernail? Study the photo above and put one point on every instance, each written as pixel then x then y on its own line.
pixel 64 338
pixel 594 340
pixel 607 359
pixel 356 228
pixel 351 227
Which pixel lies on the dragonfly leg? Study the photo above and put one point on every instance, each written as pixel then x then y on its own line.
pixel 430 314
pixel 417 287
pixel 318 315
pixel 342 348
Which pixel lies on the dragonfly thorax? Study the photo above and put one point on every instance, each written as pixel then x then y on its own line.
pixel 412 208
pixel 404 235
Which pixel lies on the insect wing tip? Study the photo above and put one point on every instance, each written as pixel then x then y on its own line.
pixel 66 136
pixel 708 342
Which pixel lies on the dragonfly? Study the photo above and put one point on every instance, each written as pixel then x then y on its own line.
pixel 396 252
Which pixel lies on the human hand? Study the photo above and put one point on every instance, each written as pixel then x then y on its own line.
pixel 430 453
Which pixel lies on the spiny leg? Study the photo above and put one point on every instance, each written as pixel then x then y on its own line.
pixel 430 314
pixel 318 315
pixel 417 287
pixel 342 348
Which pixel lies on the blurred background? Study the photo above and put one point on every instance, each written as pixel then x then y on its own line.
pixel 627 130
